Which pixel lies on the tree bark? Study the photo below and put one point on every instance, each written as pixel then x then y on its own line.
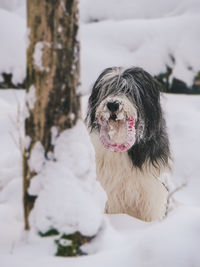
pixel 52 78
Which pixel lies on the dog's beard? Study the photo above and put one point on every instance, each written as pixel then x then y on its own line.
pixel 117 129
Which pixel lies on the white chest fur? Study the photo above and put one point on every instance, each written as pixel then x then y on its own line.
pixel 129 190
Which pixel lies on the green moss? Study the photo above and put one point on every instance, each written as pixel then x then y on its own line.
pixel 164 79
pixel 50 232
pixel 8 82
pixel 197 77
pixel 197 80
pixel 67 245
pixel 174 85
pixel 70 245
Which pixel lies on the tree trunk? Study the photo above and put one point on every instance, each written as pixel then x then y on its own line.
pixel 52 79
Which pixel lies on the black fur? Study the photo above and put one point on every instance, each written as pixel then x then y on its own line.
pixel 152 144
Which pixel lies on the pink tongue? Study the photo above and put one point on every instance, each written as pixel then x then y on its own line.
pixel 127 144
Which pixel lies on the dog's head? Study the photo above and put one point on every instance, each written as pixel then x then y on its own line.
pixel 124 107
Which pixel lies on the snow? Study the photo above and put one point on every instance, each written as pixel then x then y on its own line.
pixel 38 54
pixel 31 97
pixel 184 120
pixel 123 241
pixel 54 135
pixel 126 33
pixel 12 52
pixel 140 33
pixel 71 175
pixel 12 4
pixel 141 43
pixel 37 159
pixel 127 9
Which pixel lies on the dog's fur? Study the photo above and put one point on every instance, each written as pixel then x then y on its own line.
pixel 131 178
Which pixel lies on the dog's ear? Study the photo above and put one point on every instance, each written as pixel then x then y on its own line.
pixel 94 98
pixel 147 95
pixel 151 103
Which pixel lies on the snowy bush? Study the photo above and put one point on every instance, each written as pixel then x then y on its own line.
pixel 69 199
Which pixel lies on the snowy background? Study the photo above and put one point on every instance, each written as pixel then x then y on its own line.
pixel 152 34
pixel 113 32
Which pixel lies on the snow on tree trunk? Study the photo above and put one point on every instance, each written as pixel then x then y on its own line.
pixel 61 195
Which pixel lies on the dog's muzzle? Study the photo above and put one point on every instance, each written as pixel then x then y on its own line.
pixel 117 125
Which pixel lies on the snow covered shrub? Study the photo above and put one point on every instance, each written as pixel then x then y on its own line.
pixel 70 202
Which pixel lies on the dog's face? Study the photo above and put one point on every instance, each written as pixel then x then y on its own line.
pixel 124 107
pixel 116 117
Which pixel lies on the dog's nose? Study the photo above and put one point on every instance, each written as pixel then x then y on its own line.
pixel 113 106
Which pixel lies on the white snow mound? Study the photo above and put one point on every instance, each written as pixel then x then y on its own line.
pixel 69 197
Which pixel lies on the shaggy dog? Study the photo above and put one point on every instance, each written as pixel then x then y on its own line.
pixel 128 132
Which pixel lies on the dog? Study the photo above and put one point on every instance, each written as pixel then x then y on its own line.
pixel 128 131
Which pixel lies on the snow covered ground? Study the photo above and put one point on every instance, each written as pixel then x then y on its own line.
pixel 113 32
pixel 125 241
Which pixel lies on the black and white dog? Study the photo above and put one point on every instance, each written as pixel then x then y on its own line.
pixel 129 135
